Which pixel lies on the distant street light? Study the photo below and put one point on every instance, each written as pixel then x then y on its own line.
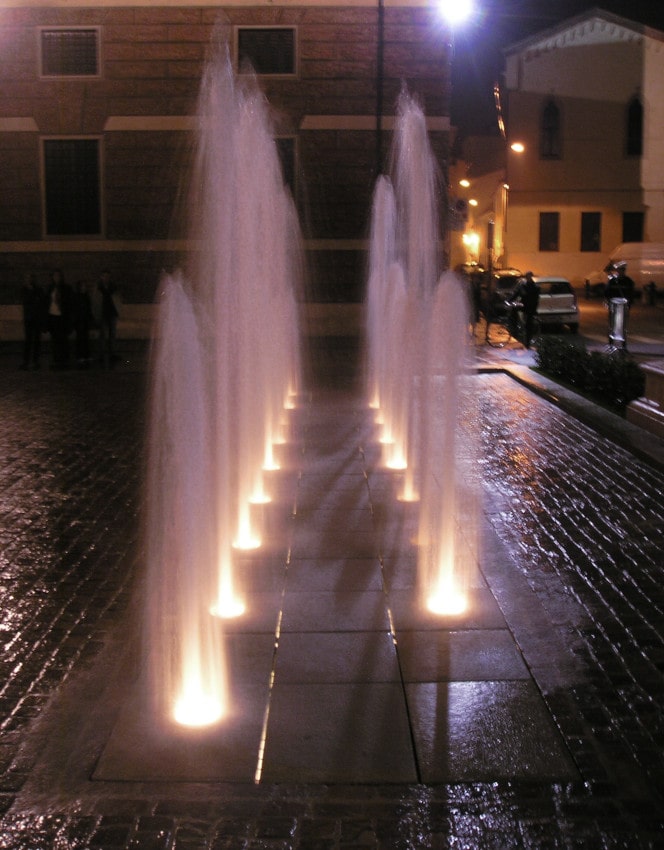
pixel 454 13
pixel 518 147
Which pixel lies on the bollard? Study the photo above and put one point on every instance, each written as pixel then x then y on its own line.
pixel 618 308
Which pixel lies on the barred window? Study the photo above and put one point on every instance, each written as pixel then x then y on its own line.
pixel 269 50
pixel 591 231
pixel 72 52
pixel 550 132
pixel 549 231
pixel 633 226
pixel 72 193
pixel 635 128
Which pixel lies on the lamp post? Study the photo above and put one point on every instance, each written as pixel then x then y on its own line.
pixel 380 82
pixel 454 13
pixel 515 148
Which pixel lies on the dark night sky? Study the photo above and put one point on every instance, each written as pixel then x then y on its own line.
pixel 497 24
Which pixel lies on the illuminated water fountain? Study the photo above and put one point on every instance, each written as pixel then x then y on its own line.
pixel 226 366
pixel 418 351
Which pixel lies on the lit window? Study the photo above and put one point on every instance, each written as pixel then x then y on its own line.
pixel 72 52
pixel 269 50
pixel 72 194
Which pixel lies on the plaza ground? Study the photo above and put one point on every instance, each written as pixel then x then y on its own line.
pixel 532 721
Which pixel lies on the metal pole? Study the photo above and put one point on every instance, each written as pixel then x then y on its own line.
pixel 618 308
pixel 380 79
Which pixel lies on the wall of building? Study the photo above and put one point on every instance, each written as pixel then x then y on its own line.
pixel 592 74
pixel 141 107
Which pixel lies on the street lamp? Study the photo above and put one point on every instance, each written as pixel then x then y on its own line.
pixel 456 11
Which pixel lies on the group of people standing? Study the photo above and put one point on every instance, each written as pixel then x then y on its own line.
pixel 61 310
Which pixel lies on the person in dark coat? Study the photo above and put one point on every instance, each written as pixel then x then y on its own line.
pixel 528 295
pixel 82 321
pixel 59 319
pixel 105 311
pixel 620 285
pixel 33 303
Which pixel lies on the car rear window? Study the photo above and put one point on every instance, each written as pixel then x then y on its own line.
pixel 558 287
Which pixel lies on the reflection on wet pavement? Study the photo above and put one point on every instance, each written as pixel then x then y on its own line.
pixel 452 733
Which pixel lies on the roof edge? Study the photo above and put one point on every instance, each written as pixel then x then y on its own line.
pixel 589 14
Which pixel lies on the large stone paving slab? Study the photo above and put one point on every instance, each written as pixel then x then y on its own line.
pixel 486 731
pixel 141 751
pixel 355 732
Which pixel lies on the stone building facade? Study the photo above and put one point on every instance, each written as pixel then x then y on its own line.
pixel 585 101
pixel 96 116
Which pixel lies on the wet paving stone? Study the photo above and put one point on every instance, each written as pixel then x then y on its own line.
pixel 580 517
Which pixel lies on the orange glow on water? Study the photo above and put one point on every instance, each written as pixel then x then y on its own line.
pixel 228 603
pixel 247 537
pixel 444 596
pixel 396 458
pixel 270 463
pixel 228 608
pixel 447 600
pixel 408 494
pixel 196 708
pixel 260 498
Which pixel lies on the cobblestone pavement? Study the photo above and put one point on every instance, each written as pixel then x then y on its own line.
pixel 582 521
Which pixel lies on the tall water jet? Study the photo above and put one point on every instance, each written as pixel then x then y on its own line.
pixel 187 665
pixel 418 352
pixel 239 293
pixel 447 522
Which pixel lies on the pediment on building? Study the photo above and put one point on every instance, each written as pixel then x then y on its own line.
pixel 595 27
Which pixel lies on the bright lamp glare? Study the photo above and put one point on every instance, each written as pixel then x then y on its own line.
pixel 456 11
pixel 197 710
pixel 447 601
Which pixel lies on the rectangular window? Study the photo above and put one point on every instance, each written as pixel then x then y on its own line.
pixel 591 231
pixel 549 231
pixel 72 193
pixel 69 52
pixel 269 50
pixel 632 227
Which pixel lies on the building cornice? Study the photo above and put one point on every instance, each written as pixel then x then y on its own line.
pixel 102 4
pixel 588 27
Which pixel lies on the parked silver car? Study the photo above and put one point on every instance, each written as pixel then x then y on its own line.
pixel 557 303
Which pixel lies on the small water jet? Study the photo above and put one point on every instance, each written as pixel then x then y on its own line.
pixel 225 363
pixel 418 353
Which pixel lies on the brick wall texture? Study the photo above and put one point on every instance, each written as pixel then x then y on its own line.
pixel 151 64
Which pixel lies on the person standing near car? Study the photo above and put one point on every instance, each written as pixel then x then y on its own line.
pixel 528 295
pixel 620 285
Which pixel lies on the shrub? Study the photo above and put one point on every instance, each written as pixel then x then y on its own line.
pixel 612 378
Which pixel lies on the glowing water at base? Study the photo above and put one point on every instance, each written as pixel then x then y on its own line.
pixel 418 355
pixel 225 357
